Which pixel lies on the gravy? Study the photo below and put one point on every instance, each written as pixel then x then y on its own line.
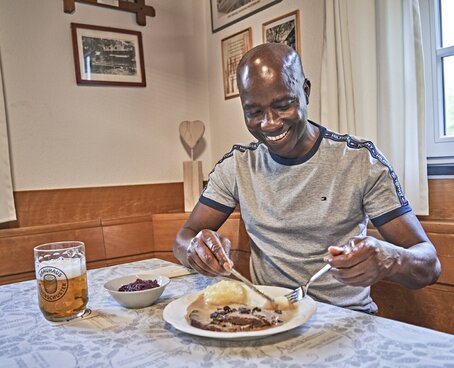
pixel 235 317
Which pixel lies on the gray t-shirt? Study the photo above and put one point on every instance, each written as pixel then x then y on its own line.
pixel 294 209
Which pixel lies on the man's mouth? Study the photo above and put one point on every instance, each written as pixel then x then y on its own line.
pixel 276 137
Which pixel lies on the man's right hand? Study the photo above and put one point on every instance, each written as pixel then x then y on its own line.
pixel 208 253
pixel 199 246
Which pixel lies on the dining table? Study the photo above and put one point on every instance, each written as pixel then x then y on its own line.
pixel 110 335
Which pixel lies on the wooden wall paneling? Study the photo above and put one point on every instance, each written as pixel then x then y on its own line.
pixel 56 206
pixel 441 200
pixel 23 276
pixel 230 229
pixel 137 6
pixel 444 243
pixel 430 307
pixel 128 259
pixel 243 238
pixel 166 226
pixel 12 232
pixel 242 255
pixel 128 237
pixel 16 251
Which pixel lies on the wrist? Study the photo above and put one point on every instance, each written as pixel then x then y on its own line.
pixel 398 256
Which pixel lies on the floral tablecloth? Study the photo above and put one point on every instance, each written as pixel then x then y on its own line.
pixel 117 337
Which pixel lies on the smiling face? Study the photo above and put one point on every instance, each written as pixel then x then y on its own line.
pixel 274 95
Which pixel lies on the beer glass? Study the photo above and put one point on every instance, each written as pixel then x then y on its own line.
pixel 61 276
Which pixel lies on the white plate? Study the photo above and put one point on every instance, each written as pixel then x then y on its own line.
pixel 175 314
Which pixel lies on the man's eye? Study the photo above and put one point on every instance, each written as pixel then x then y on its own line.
pixel 283 106
pixel 252 113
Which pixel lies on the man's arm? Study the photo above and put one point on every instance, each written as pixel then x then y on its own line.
pixel 406 255
pixel 420 265
pixel 199 246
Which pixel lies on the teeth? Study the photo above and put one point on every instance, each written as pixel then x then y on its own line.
pixel 277 137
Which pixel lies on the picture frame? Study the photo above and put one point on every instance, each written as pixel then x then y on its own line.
pixel 107 56
pixel 233 48
pixel 284 29
pixel 227 12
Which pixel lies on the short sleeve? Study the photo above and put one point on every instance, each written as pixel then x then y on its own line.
pixel 383 198
pixel 220 192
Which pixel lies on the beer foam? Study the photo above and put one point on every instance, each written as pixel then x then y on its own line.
pixel 71 267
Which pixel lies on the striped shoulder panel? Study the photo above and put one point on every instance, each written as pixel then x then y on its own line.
pixel 238 147
pixel 352 143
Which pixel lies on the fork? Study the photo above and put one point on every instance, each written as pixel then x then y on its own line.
pixel 300 292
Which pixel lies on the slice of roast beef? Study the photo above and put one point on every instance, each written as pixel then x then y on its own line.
pixel 234 319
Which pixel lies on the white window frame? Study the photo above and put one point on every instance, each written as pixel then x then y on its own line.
pixel 440 149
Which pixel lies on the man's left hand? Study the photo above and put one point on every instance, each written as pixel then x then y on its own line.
pixel 370 261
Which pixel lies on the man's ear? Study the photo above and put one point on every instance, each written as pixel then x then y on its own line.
pixel 307 89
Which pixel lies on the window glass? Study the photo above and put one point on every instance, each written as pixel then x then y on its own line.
pixel 448 94
pixel 447 24
pixel 437 23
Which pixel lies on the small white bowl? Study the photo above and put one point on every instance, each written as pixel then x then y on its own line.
pixel 136 299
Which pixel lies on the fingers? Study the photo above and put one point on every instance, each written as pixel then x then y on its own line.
pixel 339 259
pixel 350 266
pixel 368 262
pixel 208 253
pixel 219 246
pixel 361 274
pixel 335 251
pixel 199 260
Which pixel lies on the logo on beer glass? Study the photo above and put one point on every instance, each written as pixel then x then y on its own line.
pixel 50 289
pixel 61 275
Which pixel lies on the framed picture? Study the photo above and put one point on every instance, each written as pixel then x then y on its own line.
pixel 233 48
pixel 107 56
pixel 226 12
pixel 284 29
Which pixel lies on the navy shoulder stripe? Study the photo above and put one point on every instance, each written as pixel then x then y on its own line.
pixel 236 147
pixel 239 147
pixel 352 143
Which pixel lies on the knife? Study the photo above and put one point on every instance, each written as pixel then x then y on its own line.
pixel 239 276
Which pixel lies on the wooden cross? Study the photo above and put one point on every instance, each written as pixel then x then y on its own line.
pixel 133 6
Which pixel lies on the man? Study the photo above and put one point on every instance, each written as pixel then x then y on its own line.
pixel 305 191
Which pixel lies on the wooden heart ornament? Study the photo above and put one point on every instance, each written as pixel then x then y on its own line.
pixel 192 132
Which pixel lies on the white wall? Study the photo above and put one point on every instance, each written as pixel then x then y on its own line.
pixel 64 135
pixel 227 122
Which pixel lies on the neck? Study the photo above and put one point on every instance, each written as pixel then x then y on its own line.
pixel 310 136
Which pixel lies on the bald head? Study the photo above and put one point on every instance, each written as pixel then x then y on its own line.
pixel 268 61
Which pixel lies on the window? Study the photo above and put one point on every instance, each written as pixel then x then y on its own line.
pixel 438 40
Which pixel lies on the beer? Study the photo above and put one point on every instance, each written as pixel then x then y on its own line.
pixel 62 280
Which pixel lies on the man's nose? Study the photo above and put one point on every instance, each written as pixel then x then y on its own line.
pixel 270 121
